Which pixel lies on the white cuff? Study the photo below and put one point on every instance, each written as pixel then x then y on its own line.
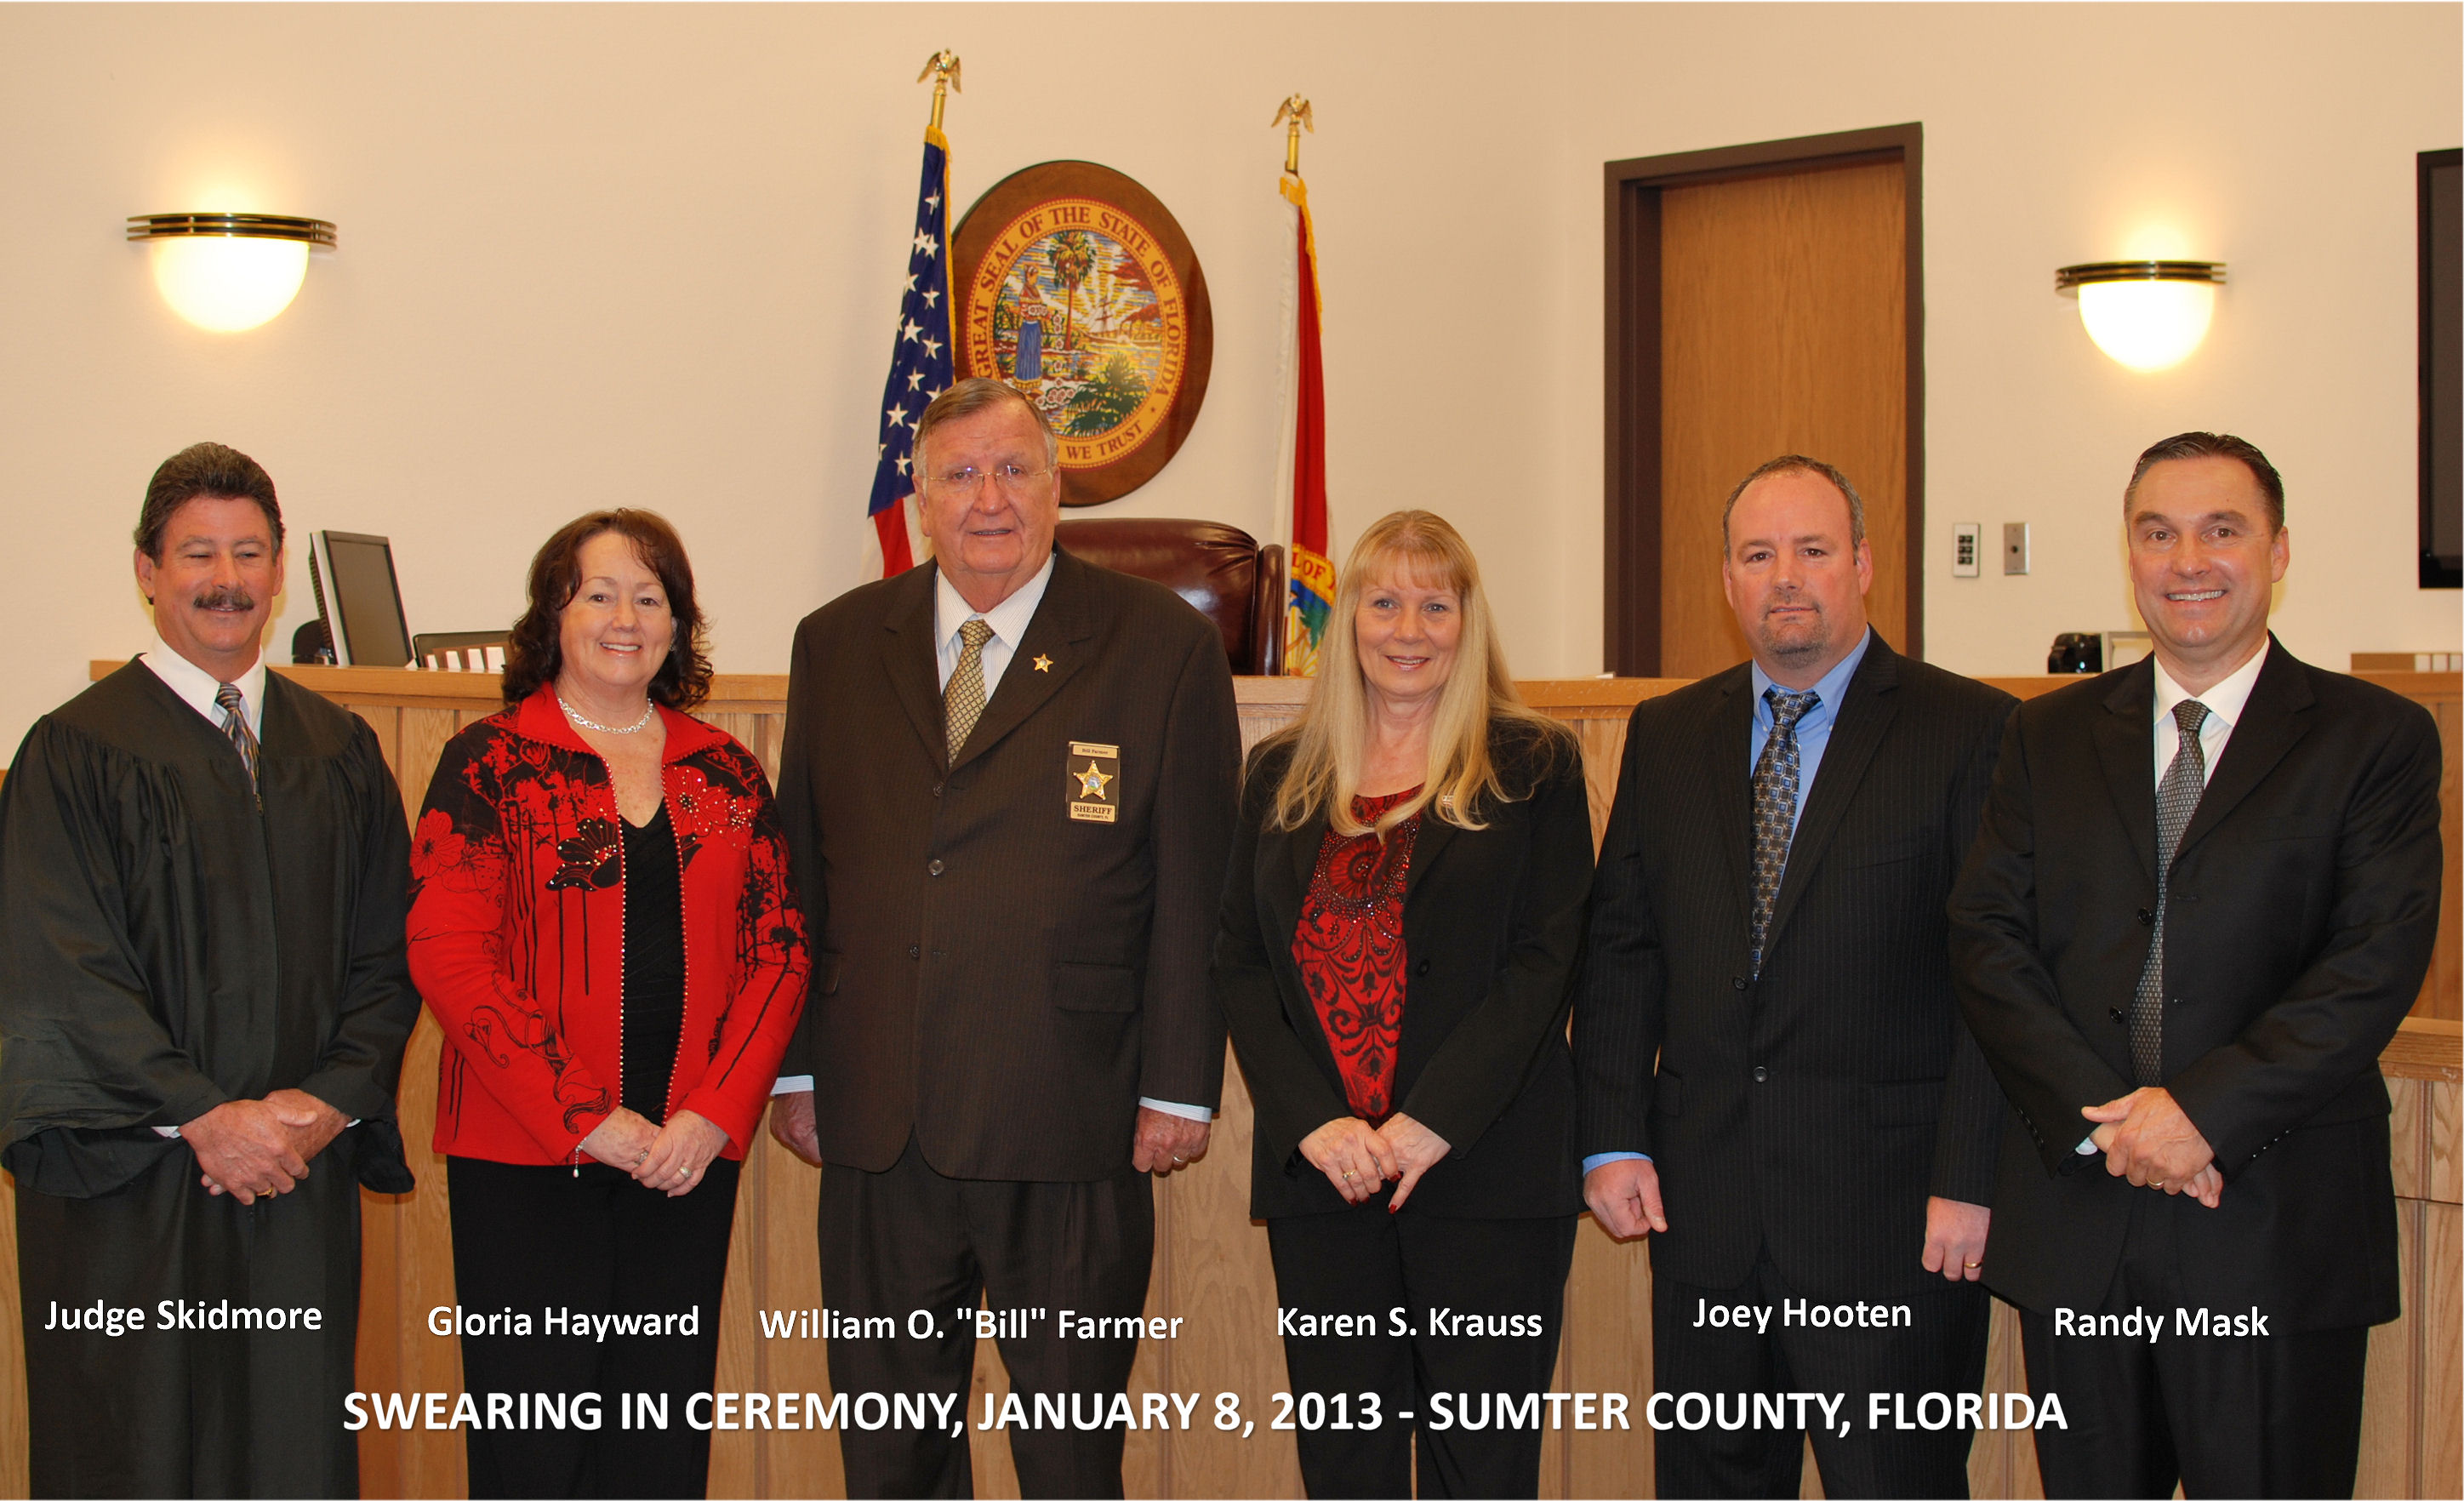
pixel 793 1084
pixel 1184 1112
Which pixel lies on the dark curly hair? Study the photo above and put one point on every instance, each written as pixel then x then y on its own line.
pixel 535 652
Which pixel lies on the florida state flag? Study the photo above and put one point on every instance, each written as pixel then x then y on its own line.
pixel 1303 475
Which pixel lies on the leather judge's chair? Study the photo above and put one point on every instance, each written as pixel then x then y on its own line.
pixel 1219 569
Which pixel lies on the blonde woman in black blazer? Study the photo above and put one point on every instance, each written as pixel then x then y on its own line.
pixel 1402 914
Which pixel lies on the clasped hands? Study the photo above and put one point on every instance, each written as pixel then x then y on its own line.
pixel 2145 1138
pixel 1163 1142
pixel 671 1158
pixel 1360 1159
pixel 254 1149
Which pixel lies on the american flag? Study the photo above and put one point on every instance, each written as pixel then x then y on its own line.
pixel 920 366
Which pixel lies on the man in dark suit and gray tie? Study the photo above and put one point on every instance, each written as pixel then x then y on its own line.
pixel 1774 1081
pixel 2204 896
pixel 1007 781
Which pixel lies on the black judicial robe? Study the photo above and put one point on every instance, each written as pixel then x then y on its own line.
pixel 168 945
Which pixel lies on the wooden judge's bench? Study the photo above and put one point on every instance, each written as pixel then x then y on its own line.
pixel 1211 1268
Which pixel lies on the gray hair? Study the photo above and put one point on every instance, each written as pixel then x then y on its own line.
pixel 964 399
pixel 1799 464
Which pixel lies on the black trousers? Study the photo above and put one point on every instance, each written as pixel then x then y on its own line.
pixel 2278 1414
pixel 540 1239
pixel 909 1240
pixel 1942 1348
pixel 1478 1305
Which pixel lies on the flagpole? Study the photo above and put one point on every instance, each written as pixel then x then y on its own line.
pixel 942 68
pixel 922 363
pixel 1301 483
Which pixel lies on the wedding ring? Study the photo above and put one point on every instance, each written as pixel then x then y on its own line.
pixel 1973 1264
pixel 1347 1175
pixel 1180 1161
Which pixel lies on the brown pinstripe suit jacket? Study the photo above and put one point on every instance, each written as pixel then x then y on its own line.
pixel 992 975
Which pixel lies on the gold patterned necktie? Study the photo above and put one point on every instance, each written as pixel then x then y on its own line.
pixel 962 703
pixel 2177 798
pixel 1775 806
pixel 234 707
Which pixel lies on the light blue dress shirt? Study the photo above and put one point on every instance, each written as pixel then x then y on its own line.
pixel 1813 738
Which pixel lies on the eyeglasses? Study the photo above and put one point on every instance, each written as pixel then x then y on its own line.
pixel 1012 479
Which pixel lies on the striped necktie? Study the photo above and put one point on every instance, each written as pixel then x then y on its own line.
pixel 234 707
pixel 2177 798
pixel 962 703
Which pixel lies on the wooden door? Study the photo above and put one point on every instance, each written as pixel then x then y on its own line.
pixel 1760 303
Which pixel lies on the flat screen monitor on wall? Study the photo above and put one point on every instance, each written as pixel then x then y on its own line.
pixel 359 599
pixel 2442 369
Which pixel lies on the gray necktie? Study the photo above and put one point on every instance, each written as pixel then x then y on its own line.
pixel 962 703
pixel 2177 798
pixel 1775 806
pixel 234 707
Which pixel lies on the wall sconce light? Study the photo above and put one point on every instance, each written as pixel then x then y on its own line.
pixel 2145 314
pixel 229 272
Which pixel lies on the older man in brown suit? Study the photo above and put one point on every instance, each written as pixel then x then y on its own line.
pixel 1008 780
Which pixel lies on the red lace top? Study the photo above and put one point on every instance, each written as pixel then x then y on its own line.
pixel 1349 950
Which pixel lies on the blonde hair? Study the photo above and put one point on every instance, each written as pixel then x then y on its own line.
pixel 1330 740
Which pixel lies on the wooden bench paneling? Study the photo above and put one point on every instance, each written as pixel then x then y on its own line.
pixel 1211 1267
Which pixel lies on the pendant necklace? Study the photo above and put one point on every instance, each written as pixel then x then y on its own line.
pixel 637 726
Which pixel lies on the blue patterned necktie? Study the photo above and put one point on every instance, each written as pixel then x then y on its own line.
pixel 2177 798
pixel 234 707
pixel 1775 806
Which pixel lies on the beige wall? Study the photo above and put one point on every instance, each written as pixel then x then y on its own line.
pixel 649 255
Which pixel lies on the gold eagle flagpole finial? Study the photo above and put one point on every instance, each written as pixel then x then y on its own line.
pixel 942 68
pixel 1295 109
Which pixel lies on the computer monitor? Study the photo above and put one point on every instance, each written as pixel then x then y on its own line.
pixel 359 599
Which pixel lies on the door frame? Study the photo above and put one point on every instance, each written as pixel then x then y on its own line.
pixel 1630 536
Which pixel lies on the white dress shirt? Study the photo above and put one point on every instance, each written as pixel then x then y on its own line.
pixel 197 687
pixel 2226 700
pixel 1009 621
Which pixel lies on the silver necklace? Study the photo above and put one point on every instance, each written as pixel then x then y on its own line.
pixel 637 726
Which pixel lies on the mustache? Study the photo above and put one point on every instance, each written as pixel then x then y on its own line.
pixel 226 596
pixel 1791 599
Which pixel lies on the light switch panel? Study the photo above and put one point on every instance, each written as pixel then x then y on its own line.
pixel 2014 547
pixel 1966 542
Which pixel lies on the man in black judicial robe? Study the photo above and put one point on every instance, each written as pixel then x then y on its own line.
pixel 203 1009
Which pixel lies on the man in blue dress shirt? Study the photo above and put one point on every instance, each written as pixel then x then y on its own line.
pixel 1775 1083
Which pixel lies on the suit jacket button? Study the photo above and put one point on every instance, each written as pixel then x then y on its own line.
pixel 2115 1012
pixel 2173 1001
pixel 2146 919
pixel 934 868
pixel 915 952
pixel 1738 980
pixel 1420 968
pixel 1761 1074
pixel 937 789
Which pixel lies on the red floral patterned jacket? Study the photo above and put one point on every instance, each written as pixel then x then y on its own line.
pixel 517 929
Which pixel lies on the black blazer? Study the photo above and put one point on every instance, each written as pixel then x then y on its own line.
pixel 1810 1114
pixel 2302 907
pixel 1492 925
pixel 993 974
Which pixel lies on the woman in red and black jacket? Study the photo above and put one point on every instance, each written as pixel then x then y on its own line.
pixel 604 921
